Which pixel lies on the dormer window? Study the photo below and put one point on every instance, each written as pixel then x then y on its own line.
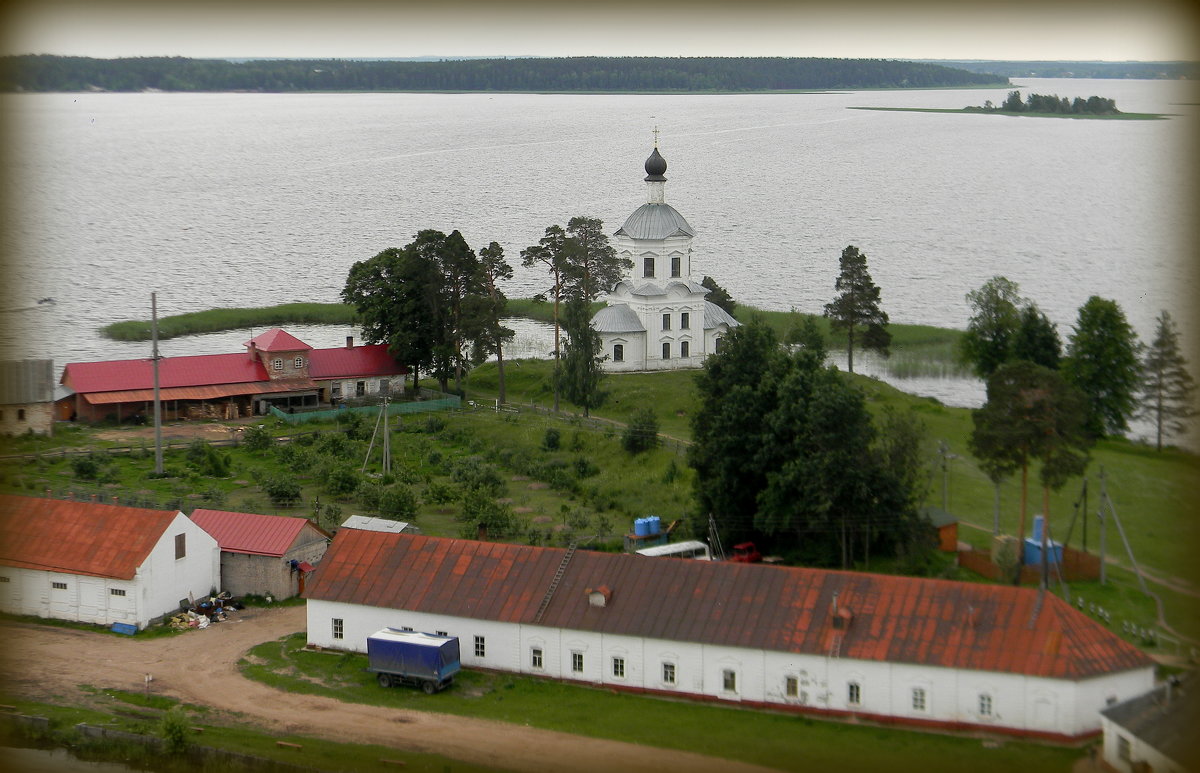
pixel 277 363
pixel 599 597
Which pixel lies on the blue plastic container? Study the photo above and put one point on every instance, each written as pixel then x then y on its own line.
pixel 655 524
pixel 641 527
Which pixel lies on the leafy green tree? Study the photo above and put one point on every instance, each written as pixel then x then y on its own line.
pixel 582 369
pixel 718 295
pixel 493 270
pixel 641 433
pixel 481 510
pixel 806 334
pixel 1168 391
pixel 856 307
pixel 1031 414
pixel 283 490
pixel 175 730
pixel 1103 362
pixel 551 252
pixel 988 342
pixel 1036 339
pixel 398 503
pixel 257 438
pixel 342 480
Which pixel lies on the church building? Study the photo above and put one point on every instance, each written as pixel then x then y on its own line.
pixel 658 319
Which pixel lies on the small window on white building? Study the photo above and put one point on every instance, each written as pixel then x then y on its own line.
pixel 647 267
pixel 668 673
pixel 685 321
pixel 277 363
pixel 684 349
pixel 674 266
pixel 618 353
pixel 116 591
pixel 480 647
pixel 360 388
pixel 5 579
pixel 577 662
pixel 618 667
pixel 854 694
pixel 1124 750
pixel 666 322
pixel 338 628
pixel 918 699
pixel 180 546
pixel 718 344
pixel 535 658
pixel 299 363
pixel 729 680
pixel 985 705
pixel 58 585
pixel 791 687
pixel 667 351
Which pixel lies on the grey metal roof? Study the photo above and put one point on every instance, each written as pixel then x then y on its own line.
pixel 26 381
pixel 1164 720
pixel 617 319
pixel 367 523
pixel 714 315
pixel 650 289
pixel 655 221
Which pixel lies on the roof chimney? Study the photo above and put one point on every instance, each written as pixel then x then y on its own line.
pixel 349 342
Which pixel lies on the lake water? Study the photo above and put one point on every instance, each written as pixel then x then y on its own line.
pixel 257 199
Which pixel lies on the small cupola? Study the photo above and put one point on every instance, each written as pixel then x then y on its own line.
pixel 656 167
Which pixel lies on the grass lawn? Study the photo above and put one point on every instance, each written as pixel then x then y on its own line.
pixel 782 741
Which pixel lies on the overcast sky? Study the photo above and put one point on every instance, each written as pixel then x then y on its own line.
pixel 924 29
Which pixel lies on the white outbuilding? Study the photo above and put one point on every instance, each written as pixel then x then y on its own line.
pixel 908 650
pixel 103 564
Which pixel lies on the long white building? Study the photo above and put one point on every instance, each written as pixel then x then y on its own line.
pixel 899 649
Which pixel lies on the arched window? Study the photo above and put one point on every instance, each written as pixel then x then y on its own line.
pixel 299 362
pixel 277 364
pixel 854 694
pixel 618 353
pixel 985 705
pixel 717 345
pixel 918 699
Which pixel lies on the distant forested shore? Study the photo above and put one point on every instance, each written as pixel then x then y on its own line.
pixel 44 73
pixel 1079 69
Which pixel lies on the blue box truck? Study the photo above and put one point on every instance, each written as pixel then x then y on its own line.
pixel 410 657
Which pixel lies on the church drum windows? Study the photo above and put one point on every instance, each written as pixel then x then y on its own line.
pixel 674 266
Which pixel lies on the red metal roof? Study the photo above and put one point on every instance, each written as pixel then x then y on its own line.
pixel 197 370
pixel 263 535
pixel 78 537
pixel 789 609
pixel 277 340
pixel 235 374
pixel 347 362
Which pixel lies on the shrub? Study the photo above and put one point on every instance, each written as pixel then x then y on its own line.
pixel 399 503
pixel 474 474
pixel 282 490
pixel 85 467
pixel 434 424
pixel 342 480
pixel 641 434
pixel 479 509
pixel 333 444
pixel 257 438
pixel 550 441
pixel 174 729
pixel 439 493
pixel 584 467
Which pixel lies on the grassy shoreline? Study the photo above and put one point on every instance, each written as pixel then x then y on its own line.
pixel 981 111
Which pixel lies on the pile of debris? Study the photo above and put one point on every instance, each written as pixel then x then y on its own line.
pixel 214 609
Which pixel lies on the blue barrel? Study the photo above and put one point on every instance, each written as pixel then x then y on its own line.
pixel 655 524
pixel 641 527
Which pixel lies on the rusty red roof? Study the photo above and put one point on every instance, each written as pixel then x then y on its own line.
pixel 78 537
pixel 277 340
pixel 192 371
pixel 347 362
pixel 264 535
pixel 789 609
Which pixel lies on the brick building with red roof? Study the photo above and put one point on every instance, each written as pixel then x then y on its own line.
pixel 103 564
pixel 919 651
pixel 277 369
pixel 264 555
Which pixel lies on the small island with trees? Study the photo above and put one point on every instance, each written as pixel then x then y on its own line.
pixel 1040 106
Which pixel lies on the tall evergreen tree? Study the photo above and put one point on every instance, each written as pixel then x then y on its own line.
pixel 493 270
pixel 993 325
pixel 1168 390
pixel 581 368
pixel 856 308
pixel 1036 339
pixel 594 267
pixel 551 252
pixel 1103 362
pixel 719 295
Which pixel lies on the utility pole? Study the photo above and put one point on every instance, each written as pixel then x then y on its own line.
pixel 158 452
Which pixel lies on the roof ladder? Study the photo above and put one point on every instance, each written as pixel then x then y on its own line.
pixel 562 569
pixel 835 646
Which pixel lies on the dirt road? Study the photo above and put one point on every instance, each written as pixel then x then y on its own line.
pixel 51 663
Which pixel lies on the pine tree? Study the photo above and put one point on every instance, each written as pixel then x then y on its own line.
pixel 856 308
pixel 1102 360
pixel 1036 339
pixel 1168 390
pixel 581 366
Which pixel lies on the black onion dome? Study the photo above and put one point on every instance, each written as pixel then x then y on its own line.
pixel 656 165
